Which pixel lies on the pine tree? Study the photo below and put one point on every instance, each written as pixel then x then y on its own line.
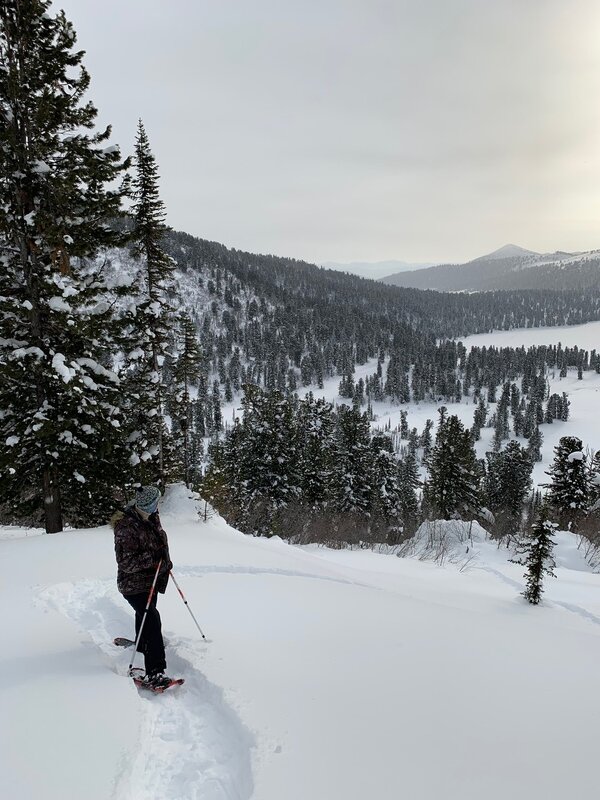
pixel 479 418
pixel 353 467
pixel 386 501
pixel 268 463
pixel 569 489
pixel 409 485
pixel 217 414
pixel 595 483
pixel 59 397
pixel 506 485
pixel 453 486
pixel 186 373
pixel 536 553
pixel 316 446
pixel 534 448
pixel 426 439
pixel 151 317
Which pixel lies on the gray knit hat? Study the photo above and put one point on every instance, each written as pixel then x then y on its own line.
pixel 147 499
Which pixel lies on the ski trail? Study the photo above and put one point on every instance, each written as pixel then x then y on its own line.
pixel 209 569
pixel 572 607
pixel 191 745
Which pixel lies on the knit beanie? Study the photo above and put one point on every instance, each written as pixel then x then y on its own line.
pixel 147 499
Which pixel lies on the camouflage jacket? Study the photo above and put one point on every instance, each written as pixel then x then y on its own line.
pixel 139 546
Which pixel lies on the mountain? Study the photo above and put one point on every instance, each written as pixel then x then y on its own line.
pixel 375 269
pixel 509 267
pixel 508 251
pixel 280 322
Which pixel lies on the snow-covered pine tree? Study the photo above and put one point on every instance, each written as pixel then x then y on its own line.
pixel 595 483
pixel 501 427
pixel 217 414
pixel 186 372
pixel 534 448
pixel 386 503
pixel 426 441
pixel 479 418
pixel 569 489
pixel 316 446
pixel 60 418
pixel 409 485
pixel 353 467
pixel 454 477
pixel 150 318
pixel 536 553
pixel 506 486
pixel 267 470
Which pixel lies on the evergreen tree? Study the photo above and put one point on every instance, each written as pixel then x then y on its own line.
pixel 404 424
pixel 506 485
pixel 353 467
pixel 534 448
pixel 150 317
pixel 501 427
pixel 569 489
pixel 426 439
pixel 409 485
pixel 479 418
pixel 186 373
pixel 453 486
pixel 266 470
pixel 316 446
pixel 595 482
pixel 60 418
pixel 386 501
pixel 217 414
pixel 536 553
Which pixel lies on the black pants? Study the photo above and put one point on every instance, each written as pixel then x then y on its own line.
pixel 151 643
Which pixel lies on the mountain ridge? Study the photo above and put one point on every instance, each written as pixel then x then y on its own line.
pixel 510 267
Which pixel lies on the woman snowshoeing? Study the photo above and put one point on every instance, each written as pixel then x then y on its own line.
pixel 140 545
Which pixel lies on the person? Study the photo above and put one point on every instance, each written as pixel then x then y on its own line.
pixel 140 544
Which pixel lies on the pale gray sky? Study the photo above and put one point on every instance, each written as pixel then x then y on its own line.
pixel 360 130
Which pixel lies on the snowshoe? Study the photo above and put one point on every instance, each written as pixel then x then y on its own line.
pixel 157 683
pixel 121 642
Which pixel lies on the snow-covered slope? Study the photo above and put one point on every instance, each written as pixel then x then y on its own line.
pixel 508 251
pixel 510 267
pixel 330 675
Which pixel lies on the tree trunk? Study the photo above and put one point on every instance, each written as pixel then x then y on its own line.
pixel 52 506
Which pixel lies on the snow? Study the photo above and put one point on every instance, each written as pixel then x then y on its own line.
pixel 334 675
pixel 58 364
pixel 585 336
pixel 58 304
pixel 40 167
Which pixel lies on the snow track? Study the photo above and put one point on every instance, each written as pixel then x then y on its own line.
pixel 191 744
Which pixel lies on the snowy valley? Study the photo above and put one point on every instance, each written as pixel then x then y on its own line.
pixel 380 502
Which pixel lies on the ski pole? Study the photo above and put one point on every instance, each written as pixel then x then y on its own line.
pixel 187 605
pixel 150 595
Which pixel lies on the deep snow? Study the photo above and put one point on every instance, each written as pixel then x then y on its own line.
pixel 334 675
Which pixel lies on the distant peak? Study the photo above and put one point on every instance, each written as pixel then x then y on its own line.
pixel 509 251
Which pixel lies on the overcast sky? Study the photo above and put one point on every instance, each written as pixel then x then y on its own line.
pixel 360 130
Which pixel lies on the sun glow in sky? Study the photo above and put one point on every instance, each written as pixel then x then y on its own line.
pixel 423 130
